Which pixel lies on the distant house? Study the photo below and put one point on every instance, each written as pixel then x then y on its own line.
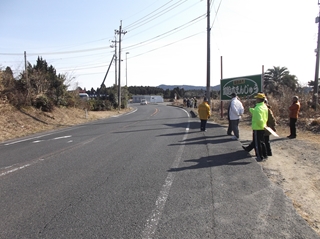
pixel 149 98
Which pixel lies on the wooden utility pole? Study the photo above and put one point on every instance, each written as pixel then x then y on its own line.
pixel 26 74
pixel 221 72
pixel 316 77
pixel 208 52
pixel 119 75
pixel 115 57
pixel 25 65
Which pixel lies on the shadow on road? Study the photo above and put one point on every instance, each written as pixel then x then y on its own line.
pixel 233 159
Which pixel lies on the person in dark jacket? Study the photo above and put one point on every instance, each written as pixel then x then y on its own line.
pixel 272 124
pixel 293 114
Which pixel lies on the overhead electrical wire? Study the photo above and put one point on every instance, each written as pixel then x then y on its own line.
pixel 161 36
pixel 157 15
pixel 169 44
pixel 216 14
pixel 56 53
pixel 142 22
pixel 101 48
pixel 142 19
pixel 128 36
pixel 134 14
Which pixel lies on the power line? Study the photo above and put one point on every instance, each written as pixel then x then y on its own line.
pixel 142 19
pixel 216 14
pixel 56 53
pixel 168 44
pixel 172 31
pixel 153 26
pixel 158 14
pixel 154 2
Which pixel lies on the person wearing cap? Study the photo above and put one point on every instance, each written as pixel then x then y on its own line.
pixel 258 123
pixel 234 114
pixel 204 113
pixel 293 114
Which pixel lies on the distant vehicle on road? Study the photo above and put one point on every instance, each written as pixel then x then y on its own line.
pixel 143 102
pixel 84 96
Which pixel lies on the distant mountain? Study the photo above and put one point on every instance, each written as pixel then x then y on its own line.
pixel 189 87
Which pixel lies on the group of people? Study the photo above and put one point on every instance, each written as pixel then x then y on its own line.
pixel 263 122
pixel 190 102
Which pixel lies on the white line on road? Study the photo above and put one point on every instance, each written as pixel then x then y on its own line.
pixel 186 113
pixel 155 216
pixel 37 141
pixel 23 140
pixel 14 169
pixel 62 137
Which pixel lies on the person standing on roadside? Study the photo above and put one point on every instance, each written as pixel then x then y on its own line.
pixel 293 114
pixel 195 102
pixel 258 123
pixel 272 124
pixel 234 114
pixel 204 113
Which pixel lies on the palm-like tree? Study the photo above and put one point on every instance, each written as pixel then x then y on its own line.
pixel 278 76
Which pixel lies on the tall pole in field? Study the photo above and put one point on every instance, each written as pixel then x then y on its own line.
pixel 316 77
pixel 115 56
pixel 119 56
pixel 127 69
pixel 208 52
pixel 221 71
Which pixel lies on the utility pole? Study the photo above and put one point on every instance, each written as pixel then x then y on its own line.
pixel 208 52
pixel 115 57
pixel 25 65
pixel 26 72
pixel 316 77
pixel 119 77
pixel 127 69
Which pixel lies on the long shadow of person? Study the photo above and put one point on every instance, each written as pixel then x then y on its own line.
pixel 236 158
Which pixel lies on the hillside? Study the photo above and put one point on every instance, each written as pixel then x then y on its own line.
pixel 16 123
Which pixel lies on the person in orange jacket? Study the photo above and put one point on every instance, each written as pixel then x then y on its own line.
pixel 204 113
pixel 293 114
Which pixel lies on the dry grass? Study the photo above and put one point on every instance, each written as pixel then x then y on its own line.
pixel 18 123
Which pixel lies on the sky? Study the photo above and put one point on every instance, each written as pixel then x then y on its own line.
pixel 162 41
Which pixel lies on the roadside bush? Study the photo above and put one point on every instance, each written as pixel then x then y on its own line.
pixel 43 103
pixel 100 105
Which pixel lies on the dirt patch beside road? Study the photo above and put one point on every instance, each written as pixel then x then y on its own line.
pixel 295 167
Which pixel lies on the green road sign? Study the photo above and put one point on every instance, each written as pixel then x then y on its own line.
pixel 245 86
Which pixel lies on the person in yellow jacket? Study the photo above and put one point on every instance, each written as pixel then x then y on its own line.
pixel 258 123
pixel 204 113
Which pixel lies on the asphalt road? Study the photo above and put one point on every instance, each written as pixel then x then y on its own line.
pixel 150 173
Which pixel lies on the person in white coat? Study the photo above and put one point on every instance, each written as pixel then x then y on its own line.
pixel 234 114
